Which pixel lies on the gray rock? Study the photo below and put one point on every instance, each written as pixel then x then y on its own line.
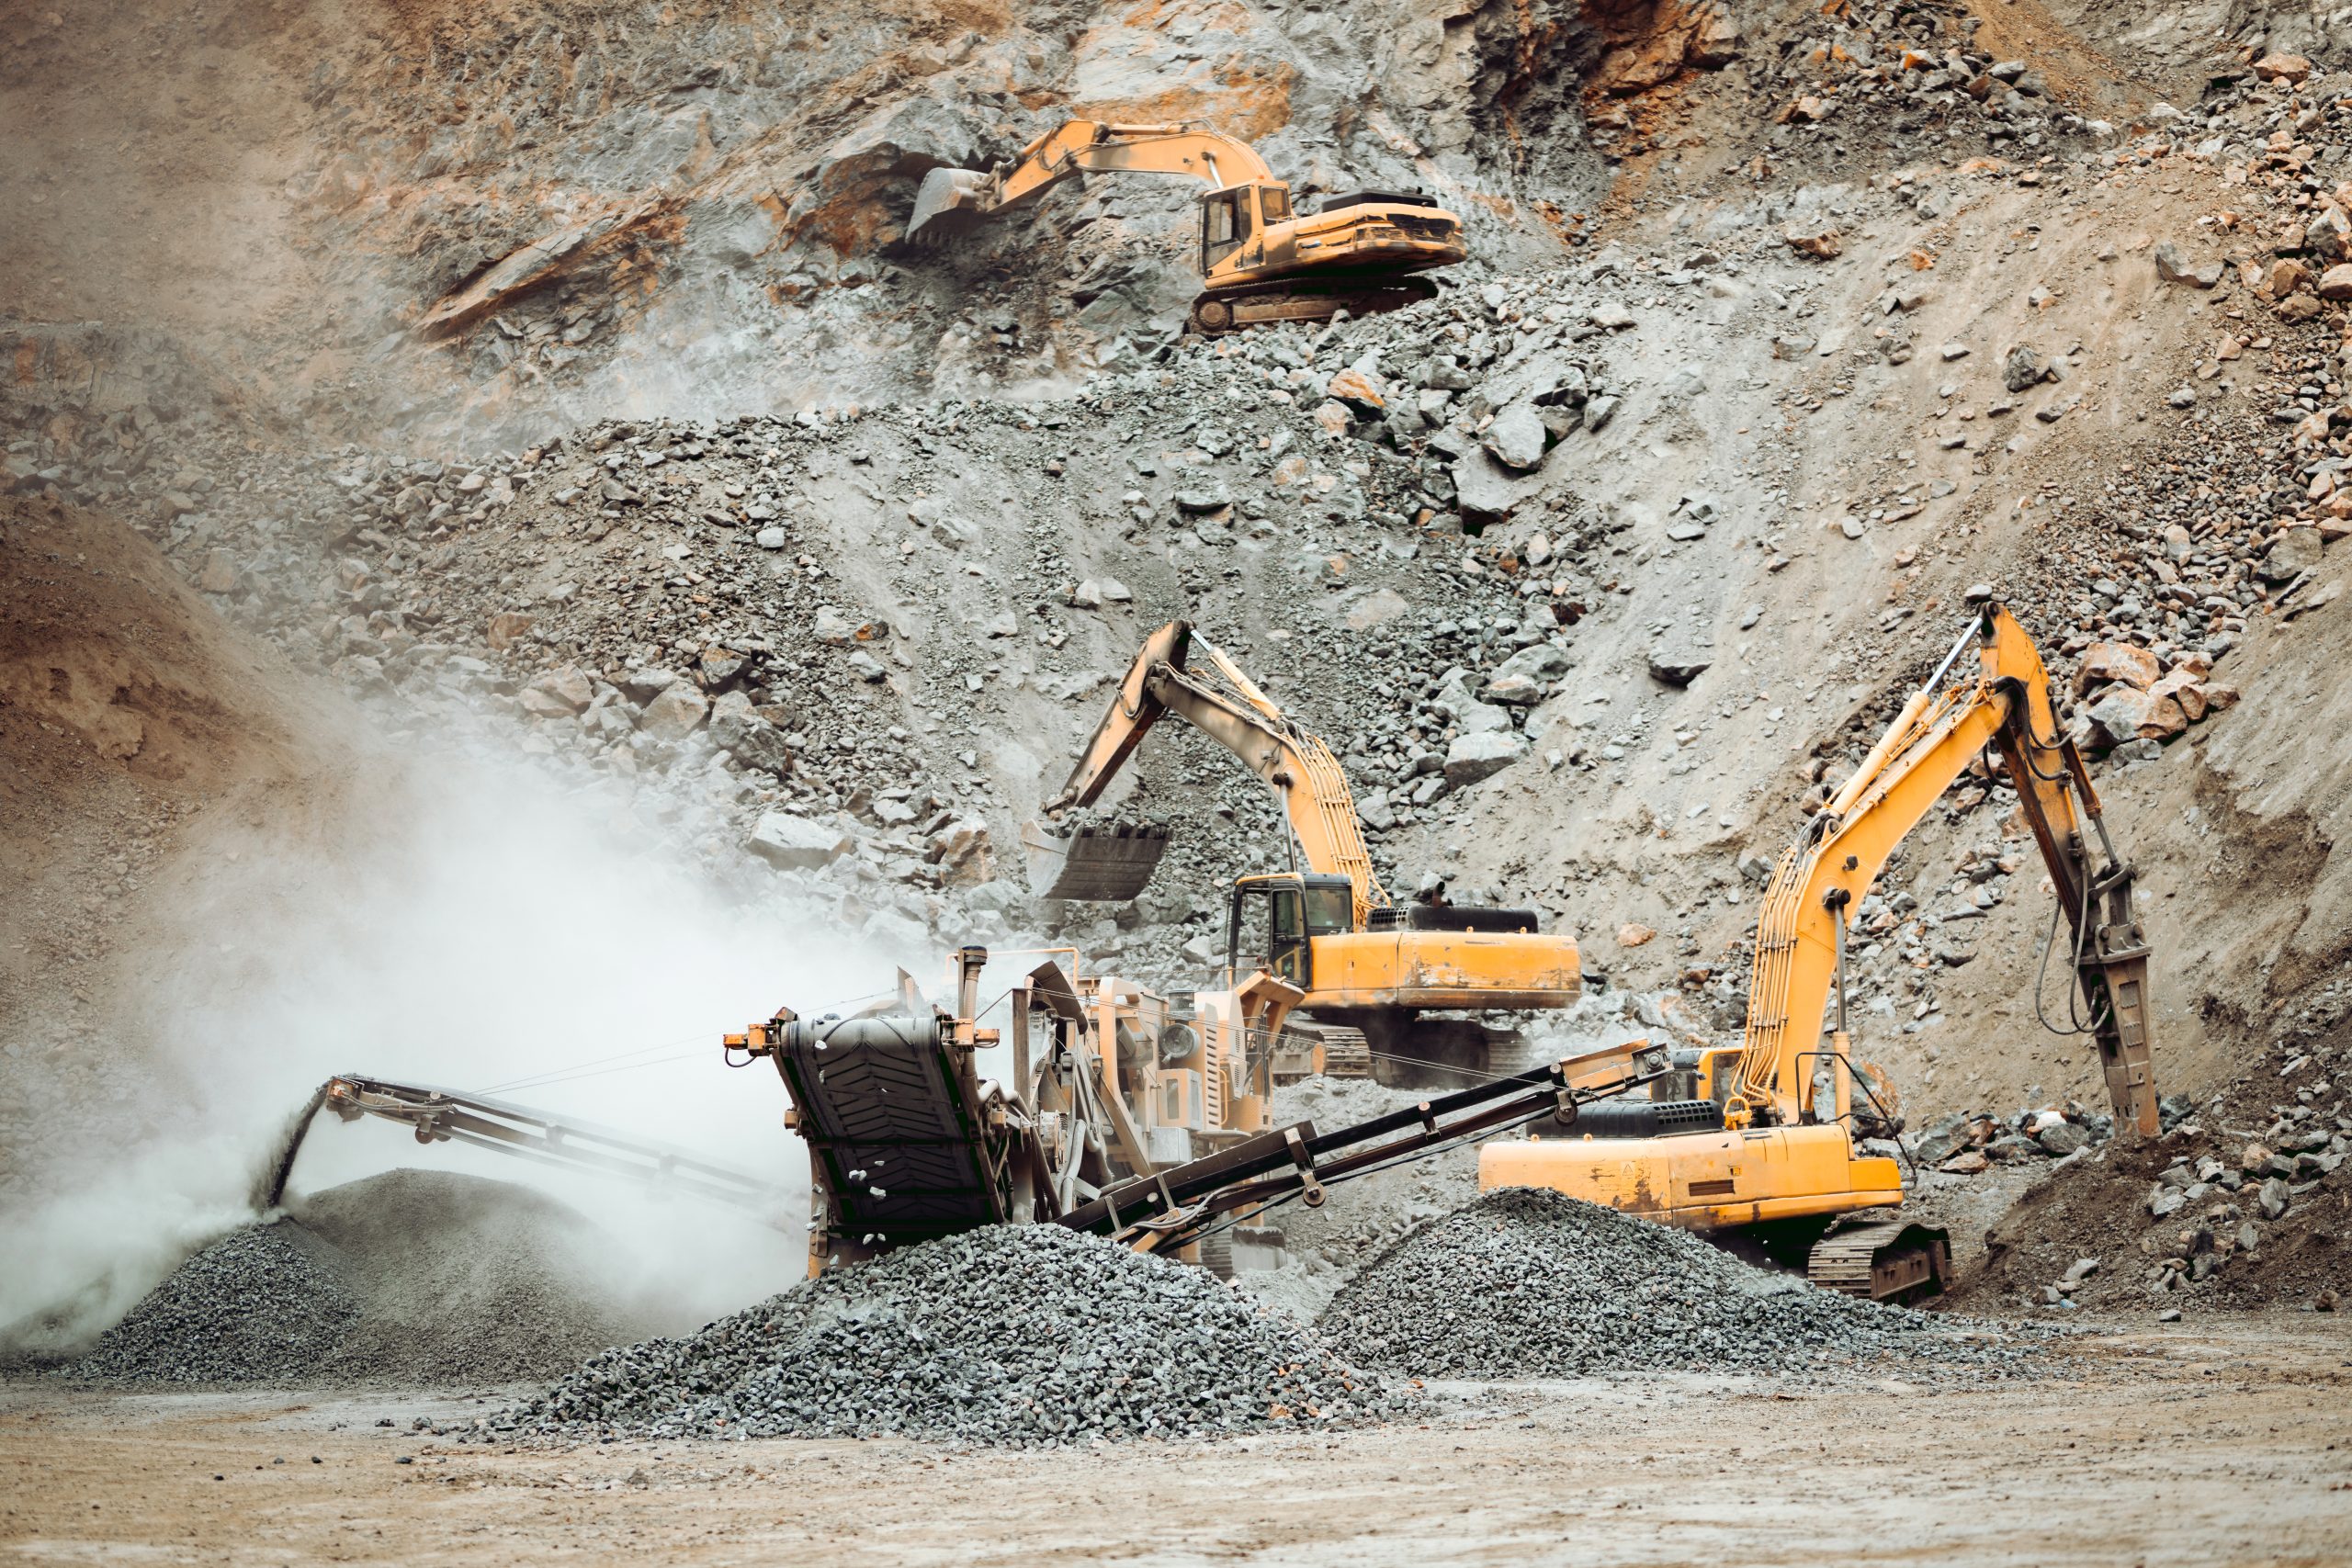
pixel 1474 757
pixel 796 843
pixel 2173 265
pixel 1516 437
pixel 674 713
pixel 2292 553
pixel 2023 368
pixel 2063 1139
pixel 1679 666
pixel 736 725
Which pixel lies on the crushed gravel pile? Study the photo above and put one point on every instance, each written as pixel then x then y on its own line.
pixel 411 1277
pixel 1525 1284
pixel 260 1304
pixel 1029 1336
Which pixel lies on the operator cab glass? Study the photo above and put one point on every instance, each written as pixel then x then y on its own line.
pixel 1275 921
pixel 1273 204
pixel 1224 225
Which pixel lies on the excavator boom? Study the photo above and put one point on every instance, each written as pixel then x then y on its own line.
pixel 1822 880
pixel 1228 706
pixel 1776 1145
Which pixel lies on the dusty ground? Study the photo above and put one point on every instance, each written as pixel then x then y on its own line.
pixel 2208 1446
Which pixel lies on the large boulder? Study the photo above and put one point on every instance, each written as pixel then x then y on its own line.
pixel 736 725
pixel 1516 437
pixel 1481 755
pixel 2105 662
pixel 796 843
pixel 2293 553
pixel 674 713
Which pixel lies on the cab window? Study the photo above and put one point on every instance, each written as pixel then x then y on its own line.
pixel 1273 204
pixel 1224 225
pixel 1286 926
pixel 1329 909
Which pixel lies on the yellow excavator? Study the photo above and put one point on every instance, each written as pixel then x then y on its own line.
pixel 1768 1145
pixel 1359 961
pixel 1260 261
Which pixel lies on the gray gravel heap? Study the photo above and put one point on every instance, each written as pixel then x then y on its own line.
pixel 260 1304
pixel 1025 1336
pixel 1525 1284
pixel 412 1277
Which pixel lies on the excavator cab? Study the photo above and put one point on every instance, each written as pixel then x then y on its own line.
pixel 1274 920
pixel 1227 220
pixel 1232 217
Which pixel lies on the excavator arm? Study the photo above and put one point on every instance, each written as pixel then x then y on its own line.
pixel 953 200
pixel 1232 711
pixel 1783 1073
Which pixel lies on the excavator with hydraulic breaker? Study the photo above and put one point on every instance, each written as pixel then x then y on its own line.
pixel 1359 961
pixel 1121 1113
pixel 1261 262
pixel 1767 1144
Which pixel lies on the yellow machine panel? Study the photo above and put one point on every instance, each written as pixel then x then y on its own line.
pixel 1702 1181
pixel 1443 969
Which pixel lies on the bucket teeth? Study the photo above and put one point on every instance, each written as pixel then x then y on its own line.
pixel 950 202
pixel 1109 864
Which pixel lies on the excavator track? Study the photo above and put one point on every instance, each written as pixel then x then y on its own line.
pixel 1890 1261
pixel 1346 1053
pixel 1302 300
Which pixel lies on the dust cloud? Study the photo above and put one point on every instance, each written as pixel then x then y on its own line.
pixel 468 924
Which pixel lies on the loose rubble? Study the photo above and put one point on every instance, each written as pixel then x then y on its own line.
pixel 259 1305
pixel 1027 1337
pixel 1528 1284
pixel 411 1277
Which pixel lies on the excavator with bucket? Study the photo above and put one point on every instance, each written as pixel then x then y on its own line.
pixel 1364 965
pixel 1767 1145
pixel 1261 262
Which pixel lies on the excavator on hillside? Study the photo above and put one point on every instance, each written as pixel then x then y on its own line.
pixel 1260 261
pixel 1361 962
pixel 1769 1146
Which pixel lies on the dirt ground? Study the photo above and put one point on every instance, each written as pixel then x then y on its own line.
pixel 2205 1446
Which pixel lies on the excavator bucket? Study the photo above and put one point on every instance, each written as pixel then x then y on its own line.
pixel 1110 864
pixel 950 202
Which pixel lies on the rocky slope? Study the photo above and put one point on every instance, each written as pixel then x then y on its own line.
pixel 1789 328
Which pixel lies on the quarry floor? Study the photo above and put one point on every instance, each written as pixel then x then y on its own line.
pixel 2209 1444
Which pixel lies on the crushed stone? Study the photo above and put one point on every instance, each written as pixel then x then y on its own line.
pixel 1013 1335
pixel 262 1305
pixel 411 1277
pixel 1526 1283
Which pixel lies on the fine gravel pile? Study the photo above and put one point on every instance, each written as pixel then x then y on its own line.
pixel 1029 1337
pixel 1526 1284
pixel 260 1304
pixel 411 1277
